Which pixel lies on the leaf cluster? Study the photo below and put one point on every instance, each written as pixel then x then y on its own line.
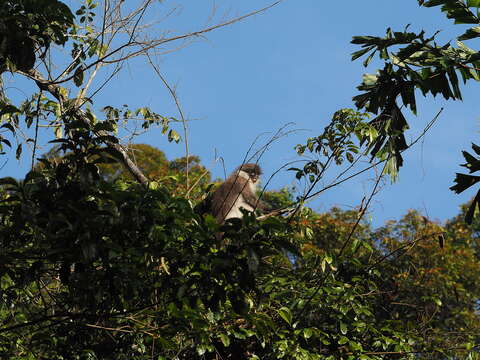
pixel 414 62
pixel 28 26
pixel 341 140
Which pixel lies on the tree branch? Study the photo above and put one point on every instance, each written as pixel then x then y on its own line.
pixel 55 90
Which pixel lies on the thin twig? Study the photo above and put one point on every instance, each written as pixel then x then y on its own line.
pixel 196 183
pixel 345 243
pixel 404 246
pixel 159 42
pixel 36 129
pixel 429 125
pixel 257 154
pixel 364 209
pixel 173 93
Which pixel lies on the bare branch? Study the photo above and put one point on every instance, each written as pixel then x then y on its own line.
pixel 173 93
pixel 146 46
pixel 55 90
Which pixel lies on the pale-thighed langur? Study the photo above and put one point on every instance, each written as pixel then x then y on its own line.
pixel 237 192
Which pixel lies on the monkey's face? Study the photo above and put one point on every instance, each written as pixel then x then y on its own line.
pixel 250 176
pixel 252 171
pixel 254 176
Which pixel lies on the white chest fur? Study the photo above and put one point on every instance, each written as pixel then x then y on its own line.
pixel 240 201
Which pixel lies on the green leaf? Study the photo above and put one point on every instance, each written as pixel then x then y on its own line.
pixel 58 132
pixel 8 109
pixel 359 53
pixel 355 245
pixel 476 148
pixel 471 210
pixel 369 79
pixel 463 182
pixel 473 3
pixel 5 141
pixel 368 59
pixel 107 139
pixel 307 333
pixel 173 136
pixel 225 339
pixel 9 127
pixel 328 259
pixel 8 181
pixel 471 33
pixel 18 153
pixel 441 240
pixel 78 76
pixel 285 314
pixel 323 265
pixel 201 350
pixel 103 125
pixel 349 157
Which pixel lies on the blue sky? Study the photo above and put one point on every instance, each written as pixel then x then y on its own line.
pixel 292 64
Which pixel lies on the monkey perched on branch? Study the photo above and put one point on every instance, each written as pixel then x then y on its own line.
pixel 237 192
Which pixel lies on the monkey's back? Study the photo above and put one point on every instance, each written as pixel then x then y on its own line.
pixel 225 197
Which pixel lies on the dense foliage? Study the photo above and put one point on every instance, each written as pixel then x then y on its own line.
pixel 141 276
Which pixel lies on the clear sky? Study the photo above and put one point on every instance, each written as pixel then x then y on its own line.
pixel 292 64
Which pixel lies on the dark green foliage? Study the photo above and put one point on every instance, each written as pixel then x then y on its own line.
pixel 464 181
pixel 458 10
pixel 28 26
pixel 80 254
pixel 341 140
pixel 415 62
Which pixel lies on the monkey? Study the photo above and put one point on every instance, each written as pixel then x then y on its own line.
pixel 237 192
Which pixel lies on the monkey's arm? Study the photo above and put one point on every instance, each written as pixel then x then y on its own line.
pixel 251 199
pixel 263 206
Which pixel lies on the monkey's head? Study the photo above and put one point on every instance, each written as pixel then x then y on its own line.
pixel 252 170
